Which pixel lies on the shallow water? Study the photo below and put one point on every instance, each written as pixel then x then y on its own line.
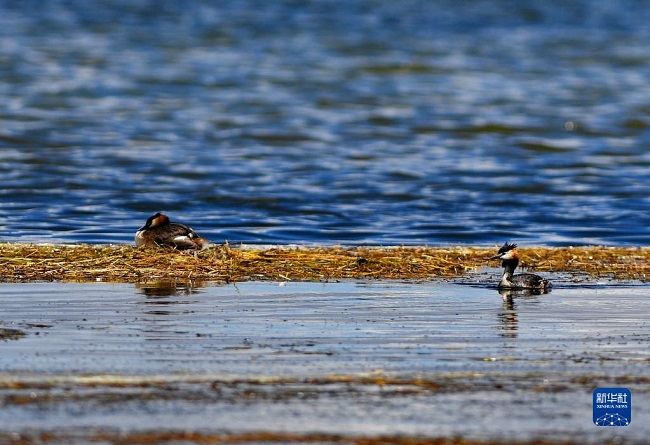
pixel 357 359
pixel 404 122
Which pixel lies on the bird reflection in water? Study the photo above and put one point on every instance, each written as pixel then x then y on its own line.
pixel 168 288
pixel 508 318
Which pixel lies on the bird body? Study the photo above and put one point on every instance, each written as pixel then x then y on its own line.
pixel 160 231
pixel 510 260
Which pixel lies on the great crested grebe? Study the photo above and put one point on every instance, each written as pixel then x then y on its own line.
pixel 160 231
pixel 510 259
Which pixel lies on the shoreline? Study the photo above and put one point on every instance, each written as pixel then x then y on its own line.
pixel 222 263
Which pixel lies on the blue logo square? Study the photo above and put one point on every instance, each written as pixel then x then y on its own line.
pixel 612 406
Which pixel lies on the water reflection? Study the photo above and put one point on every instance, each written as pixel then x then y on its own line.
pixel 165 308
pixel 509 294
pixel 157 296
pixel 167 288
pixel 508 319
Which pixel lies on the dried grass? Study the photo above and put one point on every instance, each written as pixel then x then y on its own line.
pixel 28 262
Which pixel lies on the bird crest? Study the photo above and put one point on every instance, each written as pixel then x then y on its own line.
pixel 506 247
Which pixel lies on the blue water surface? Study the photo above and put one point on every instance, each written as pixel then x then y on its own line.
pixel 327 122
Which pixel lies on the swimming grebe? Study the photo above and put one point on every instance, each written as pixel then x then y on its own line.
pixel 510 259
pixel 159 231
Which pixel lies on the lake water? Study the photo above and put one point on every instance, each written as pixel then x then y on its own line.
pixel 355 359
pixel 409 122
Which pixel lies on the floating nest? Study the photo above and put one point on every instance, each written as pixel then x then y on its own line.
pixel 28 262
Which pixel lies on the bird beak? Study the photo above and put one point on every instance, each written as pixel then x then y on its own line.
pixel 496 257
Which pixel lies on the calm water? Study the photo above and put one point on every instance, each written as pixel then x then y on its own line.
pixel 376 122
pixel 116 359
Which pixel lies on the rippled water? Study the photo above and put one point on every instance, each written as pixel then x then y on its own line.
pixel 327 122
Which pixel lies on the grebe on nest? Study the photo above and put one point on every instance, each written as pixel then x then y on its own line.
pixel 160 231
pixel 510 259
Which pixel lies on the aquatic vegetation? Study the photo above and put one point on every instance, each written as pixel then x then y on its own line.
pixel 121 263
pixel 11 334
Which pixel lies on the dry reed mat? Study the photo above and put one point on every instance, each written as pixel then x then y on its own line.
pixel 121 263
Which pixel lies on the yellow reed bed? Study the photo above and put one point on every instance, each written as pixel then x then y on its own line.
pixel 121 263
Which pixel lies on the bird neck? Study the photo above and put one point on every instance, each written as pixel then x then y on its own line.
pixel 509 267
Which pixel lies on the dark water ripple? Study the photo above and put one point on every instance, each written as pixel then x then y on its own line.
pixel 327 122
